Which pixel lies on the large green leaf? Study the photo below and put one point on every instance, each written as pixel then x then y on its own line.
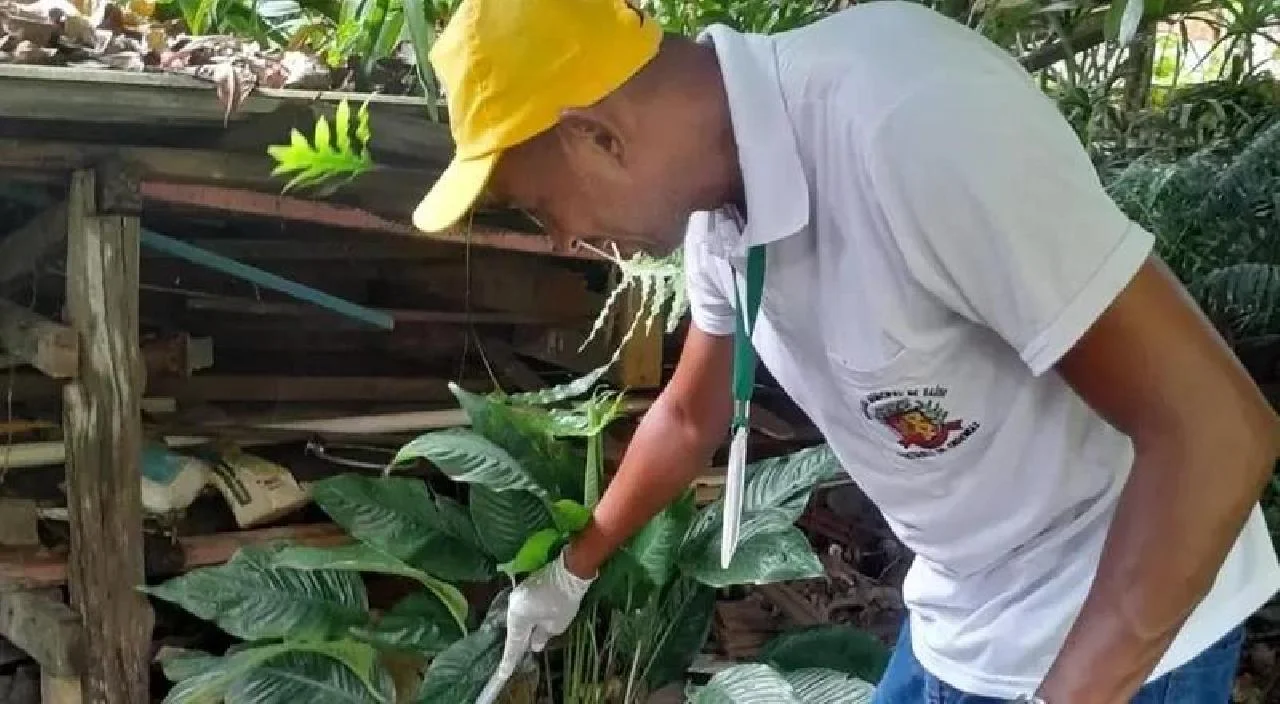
pixel 656 546
pixel 460 672
pixel 746 684
pixel 400 517
pixel 230 677
pixel 468 457
pixel 418 623
pixel 784 482
pixel 764 558
pixel 312 678
pixel 253 598
pixel 359 557
pixel 683 621
pixel 525 433
pixel 535 552
pixel 506 519
pixel 837 647
pixel 819 686
pixel 622 584
pixel 774 496
pixel 179 663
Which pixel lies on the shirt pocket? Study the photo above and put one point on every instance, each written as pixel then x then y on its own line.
pixel 921 411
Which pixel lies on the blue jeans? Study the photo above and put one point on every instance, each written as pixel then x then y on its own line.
pixel 1206 679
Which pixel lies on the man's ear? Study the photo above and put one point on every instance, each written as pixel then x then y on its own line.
pixel 586 127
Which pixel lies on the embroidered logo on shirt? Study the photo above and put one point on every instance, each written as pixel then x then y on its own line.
pixel 918 419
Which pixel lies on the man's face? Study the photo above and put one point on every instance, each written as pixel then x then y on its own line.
pixel 582 184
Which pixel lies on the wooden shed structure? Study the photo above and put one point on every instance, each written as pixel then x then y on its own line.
pixel 156 286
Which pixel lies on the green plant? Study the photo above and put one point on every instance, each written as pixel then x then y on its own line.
pixel 754 682
pixel 648 614
pixel 342 151
pixel 305 633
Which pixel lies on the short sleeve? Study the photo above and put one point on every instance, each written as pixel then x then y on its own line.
pixel 709 308
pixel 1000 214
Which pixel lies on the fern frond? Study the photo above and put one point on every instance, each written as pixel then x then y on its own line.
pixel 1242 298
pixel 661 284
pixel 333 154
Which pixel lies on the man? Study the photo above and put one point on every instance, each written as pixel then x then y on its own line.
pixel 988 344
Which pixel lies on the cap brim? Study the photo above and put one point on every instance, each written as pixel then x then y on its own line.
pixel 454 193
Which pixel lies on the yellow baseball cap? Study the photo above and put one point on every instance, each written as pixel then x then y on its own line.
pixel 509 67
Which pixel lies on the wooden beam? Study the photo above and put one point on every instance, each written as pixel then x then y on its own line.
pixel 45 628
pixel 271 205
pixel 36 569
pixel 48 346
pixel 248 306
pixel 298 389
pixel 510 367
pixel 23 248
pixel 103 427
pixel 390 249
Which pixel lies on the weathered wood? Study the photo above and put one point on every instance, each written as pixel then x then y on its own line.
pixel 59 690
pixel 501 281
pixel 48 346
pixel 22 249
pixel 290 389
pixel 391 249
pixel 45 628
pixel 559 346
pixel 510 368
pixel 19 522
pixel 226 198
pixel 640 364
pixel 27 569
pixel 103 429
pixel 247 306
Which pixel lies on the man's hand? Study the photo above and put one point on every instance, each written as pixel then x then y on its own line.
pixel 540 608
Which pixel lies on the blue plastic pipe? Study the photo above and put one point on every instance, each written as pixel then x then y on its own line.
pixel 226 265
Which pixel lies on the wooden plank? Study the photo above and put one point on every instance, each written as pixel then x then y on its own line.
pixel 103 427
pixel 45 628
pixel 22 249
pixel 286 389
pixel 48 346
pixel 510 368
pixel 501 281
pixel 640 364
pixel 247 306
pixel 37 569
pixel 397 249
pixel 225 198
pixel 19 522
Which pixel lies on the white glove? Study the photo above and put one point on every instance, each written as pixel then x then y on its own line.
pixel 540 608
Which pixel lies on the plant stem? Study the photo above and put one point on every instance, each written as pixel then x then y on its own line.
pixel 595 470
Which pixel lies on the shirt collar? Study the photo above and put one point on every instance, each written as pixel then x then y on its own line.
pixel 777 190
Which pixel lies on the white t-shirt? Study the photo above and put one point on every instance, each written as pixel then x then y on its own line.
pixel 937 240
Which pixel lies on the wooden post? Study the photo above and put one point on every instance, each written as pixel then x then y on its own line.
pixel 640 365
pixel 103 428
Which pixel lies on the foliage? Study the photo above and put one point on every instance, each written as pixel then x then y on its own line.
pixel 305 618
pixel 763 16
pixel 335 152
pixel 302 631
pixel 757 683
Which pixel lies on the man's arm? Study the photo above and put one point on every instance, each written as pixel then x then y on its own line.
pixel 674 441
pixel 1206 442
